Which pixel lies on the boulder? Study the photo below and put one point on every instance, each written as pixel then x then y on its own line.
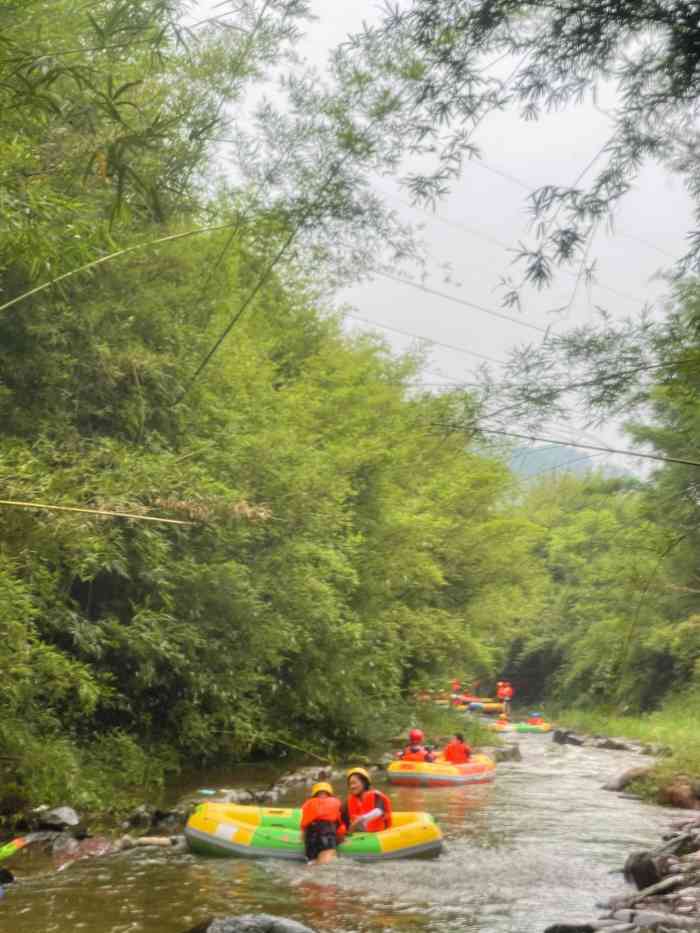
pixel 566 737
pixel 142 816
pixel 615 745
pixel 59 818
pixel 509 752
pixel 622 780
pixel 251 923
pixel 679 793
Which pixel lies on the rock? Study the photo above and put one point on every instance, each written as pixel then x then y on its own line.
pixel 142 816
pixel 571 928
pixel 59 818
pixel 509 752
pixel 679 793
pixel 622 780
pixel 251 923
pixel 169 822
pixel 640 870
pixel 565 737
pixel 615 745
pixel 6 876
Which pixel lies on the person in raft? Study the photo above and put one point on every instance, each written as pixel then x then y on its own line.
pixel 366 810
pixel 322 824
pixel 415 750
pixel 457 751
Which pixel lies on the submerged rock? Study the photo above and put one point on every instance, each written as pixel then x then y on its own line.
pixel 251 923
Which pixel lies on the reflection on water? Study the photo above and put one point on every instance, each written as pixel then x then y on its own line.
pixel 540 844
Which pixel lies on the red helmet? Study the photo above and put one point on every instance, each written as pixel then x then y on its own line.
pixel 415 736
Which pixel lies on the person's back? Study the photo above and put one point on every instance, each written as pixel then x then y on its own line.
pixel 457 752
pixel 322 824
pixel 416 753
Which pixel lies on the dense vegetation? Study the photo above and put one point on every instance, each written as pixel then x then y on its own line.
pixel 337 537
pixel 337 549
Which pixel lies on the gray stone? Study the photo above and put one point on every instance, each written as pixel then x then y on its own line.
pixel 622 780
pixel 615 745
pixel 59 818
pixel 251 923
pixel 565 737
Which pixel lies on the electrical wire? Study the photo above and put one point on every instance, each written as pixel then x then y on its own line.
pixel 611 450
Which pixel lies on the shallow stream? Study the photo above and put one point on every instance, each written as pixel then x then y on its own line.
pixel 539 845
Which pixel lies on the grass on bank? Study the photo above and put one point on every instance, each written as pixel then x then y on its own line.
pixel 675 727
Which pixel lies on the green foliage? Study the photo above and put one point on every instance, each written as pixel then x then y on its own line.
pixel 337 552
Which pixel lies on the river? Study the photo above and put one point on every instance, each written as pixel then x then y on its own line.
pixel 539 845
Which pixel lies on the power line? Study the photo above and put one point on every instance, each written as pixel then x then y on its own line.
pixel 44 506
pixel 462 301
pixel 611 450
pixel 436 343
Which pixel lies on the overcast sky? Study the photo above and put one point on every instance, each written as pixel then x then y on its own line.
pixel 486 214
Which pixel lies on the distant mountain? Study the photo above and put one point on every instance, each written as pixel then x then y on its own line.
pixel 533 461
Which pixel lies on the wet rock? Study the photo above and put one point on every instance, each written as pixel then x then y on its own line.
pixel 655 749
pixel 169 822
pixel 6 876
pixel 571 928
pixel 566 737
pixel 59 818
pixel 71 850
pixel 615 745
pixel 641 870
pixel 251 923
pixel 622 780
pixel 509 752
pixel 142 816
pixel 679 793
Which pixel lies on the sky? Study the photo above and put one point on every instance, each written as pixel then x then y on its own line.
pixel 469 239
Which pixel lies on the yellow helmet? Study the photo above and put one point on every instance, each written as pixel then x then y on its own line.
pixel 322 785
pixel 362 772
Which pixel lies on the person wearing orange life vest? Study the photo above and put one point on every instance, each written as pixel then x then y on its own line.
pixel 322 824
pixel 507 695
pixel 455 686
pixel 366 810
pixel 457 751
pixel 415 750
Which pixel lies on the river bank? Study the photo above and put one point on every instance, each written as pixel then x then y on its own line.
pixel 674 776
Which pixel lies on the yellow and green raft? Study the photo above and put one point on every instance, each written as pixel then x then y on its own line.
pixel 267 832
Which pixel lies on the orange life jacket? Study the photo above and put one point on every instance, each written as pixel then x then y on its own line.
pixel 456 752
pixel 501 693
pixel 415 753
pixel 365 803
pixel 507 692
pixel 327 809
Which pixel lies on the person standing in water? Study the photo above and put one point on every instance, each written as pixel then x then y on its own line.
pixel 322 824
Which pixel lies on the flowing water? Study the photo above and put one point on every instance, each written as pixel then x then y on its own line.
pixel 541 844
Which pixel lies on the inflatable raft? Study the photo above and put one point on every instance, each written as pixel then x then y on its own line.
pixel 480 769
pixel 533 727
pixel 482 707
pixel 501 727
pixel 266 832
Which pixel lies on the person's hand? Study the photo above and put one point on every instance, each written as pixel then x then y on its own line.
pixel 355 826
